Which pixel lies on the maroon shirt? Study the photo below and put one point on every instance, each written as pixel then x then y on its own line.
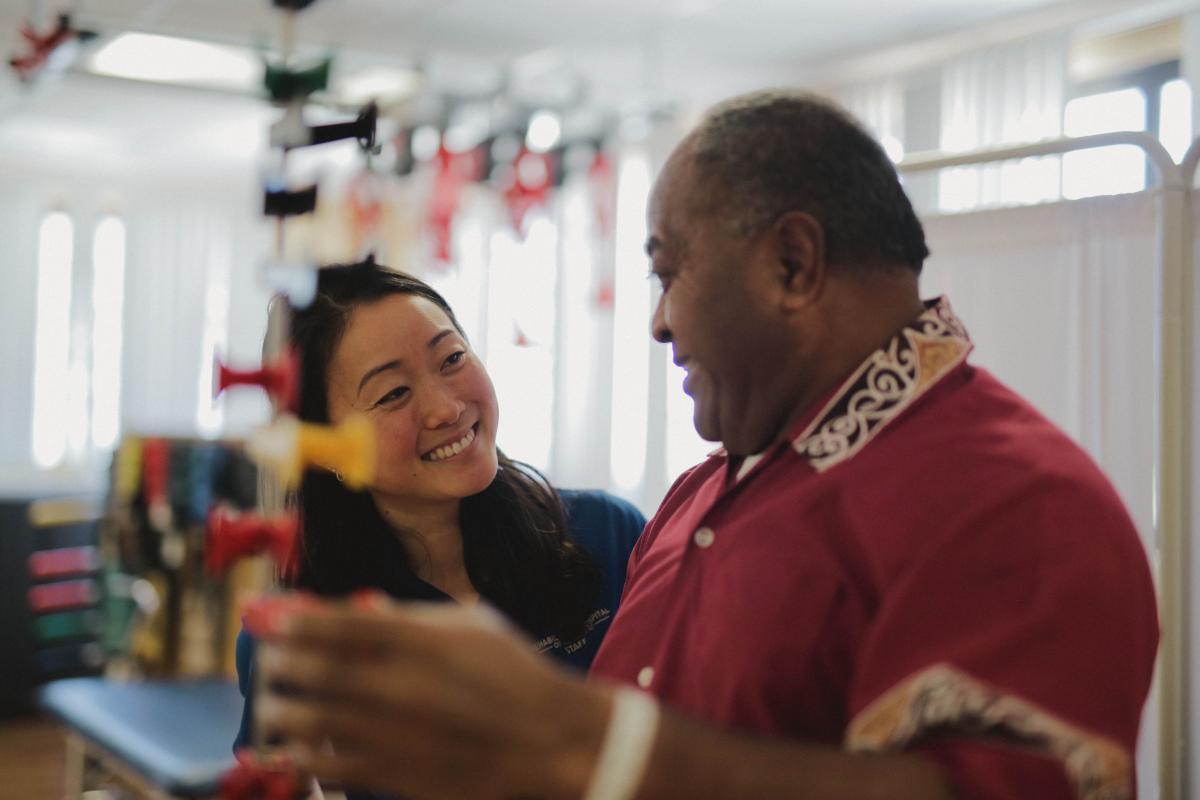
pixel 924 562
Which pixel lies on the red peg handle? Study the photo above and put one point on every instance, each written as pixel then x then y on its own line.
pixel 369 600
pixel 263 616
pixel 253 778
pixel 156 471
pixel 232 536
pixel 280 378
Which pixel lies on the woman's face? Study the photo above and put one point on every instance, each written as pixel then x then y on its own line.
pixel 403 364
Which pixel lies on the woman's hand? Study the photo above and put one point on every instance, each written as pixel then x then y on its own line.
pixel 434 701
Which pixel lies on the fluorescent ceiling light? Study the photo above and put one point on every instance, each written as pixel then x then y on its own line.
pixel 384 85
pixel 168 59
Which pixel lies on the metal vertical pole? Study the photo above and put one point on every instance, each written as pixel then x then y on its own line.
pixel 1172 480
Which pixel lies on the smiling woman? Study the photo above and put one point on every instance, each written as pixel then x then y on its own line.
pixel 448 516
pixel 403 363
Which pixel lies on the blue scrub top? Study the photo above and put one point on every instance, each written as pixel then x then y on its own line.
pixel 607 527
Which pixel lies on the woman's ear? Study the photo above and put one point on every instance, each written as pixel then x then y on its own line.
pixel 801 252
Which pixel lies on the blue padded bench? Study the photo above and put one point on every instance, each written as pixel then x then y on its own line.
pixel 164 738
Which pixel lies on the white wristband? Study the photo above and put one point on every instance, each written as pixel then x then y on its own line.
pixel 621 764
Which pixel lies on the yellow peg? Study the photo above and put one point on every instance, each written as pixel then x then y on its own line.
pixel 128 469
pixel 347 450
pixel 287 446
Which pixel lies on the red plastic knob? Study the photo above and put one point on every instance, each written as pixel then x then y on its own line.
pixel 263 616
pixel 156 471
pixel 253 778
pixel 279 378
pixel 232 536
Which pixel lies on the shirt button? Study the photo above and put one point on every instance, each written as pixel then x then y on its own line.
pixel 645 677
pixel 704 537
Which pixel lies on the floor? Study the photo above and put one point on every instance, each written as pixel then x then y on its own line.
pixel 32 755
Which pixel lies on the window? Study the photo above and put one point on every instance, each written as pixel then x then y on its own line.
pixel 1155 100
pixel 210 411
pixel 631 315
pixel 108 296
pixel 52 339
pixel 1105 170
pixel 579 424
pixel 1175 117
pixel 520 341
pixel 464 285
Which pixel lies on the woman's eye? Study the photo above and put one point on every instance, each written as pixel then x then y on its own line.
pixel 455 358
pixel 392 396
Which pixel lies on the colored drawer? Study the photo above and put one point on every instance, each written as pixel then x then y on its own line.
pixel 48 564
pixel 66 625
pixel 67 594
pixel 69 658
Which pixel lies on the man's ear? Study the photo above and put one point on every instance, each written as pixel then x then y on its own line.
pixel 801 242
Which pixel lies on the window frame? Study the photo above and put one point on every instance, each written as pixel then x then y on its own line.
pixel 1150 80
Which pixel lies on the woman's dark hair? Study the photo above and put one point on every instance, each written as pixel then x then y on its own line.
pixel 515 546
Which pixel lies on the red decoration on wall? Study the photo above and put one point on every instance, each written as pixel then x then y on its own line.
pixel 532 177
pixel 454 171
pixel 603 184
pixel 605 297
pixel 364 200
pixel 42 46
pixel 519 337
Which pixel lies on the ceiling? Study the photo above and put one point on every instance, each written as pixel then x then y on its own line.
pixel 628 54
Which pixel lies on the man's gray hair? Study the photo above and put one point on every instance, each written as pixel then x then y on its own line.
pixel 776 151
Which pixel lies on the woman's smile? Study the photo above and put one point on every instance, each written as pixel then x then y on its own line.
pixel 453 449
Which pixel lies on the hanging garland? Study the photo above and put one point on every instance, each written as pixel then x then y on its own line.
pixel 454 172
pixel 532 177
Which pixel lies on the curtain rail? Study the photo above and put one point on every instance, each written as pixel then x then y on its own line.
pixel 1169 173
pixel 1173 430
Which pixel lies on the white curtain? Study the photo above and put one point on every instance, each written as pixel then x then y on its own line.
pixel 1060 301
pixel 20 217
pixel 880 107
pixel 1189 61
pixel 191 287
pixel 1005 95
pixel 193 290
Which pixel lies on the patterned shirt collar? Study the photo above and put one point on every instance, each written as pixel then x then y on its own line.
pixel 884 385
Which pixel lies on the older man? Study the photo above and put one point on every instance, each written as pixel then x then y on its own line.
pixel 895 580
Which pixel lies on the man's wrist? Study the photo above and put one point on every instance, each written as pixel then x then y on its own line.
pixel 628 743
pixel 584 714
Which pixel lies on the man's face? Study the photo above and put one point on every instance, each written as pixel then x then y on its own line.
pixel 716 311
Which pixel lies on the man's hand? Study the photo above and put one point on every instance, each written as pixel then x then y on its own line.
pixel 443 702
pixel 428 701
